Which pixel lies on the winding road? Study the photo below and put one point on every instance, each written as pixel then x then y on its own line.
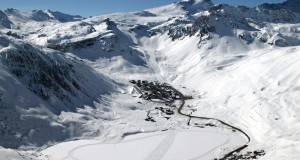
pixel 182 99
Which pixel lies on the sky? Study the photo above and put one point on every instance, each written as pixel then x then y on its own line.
pixel 88 8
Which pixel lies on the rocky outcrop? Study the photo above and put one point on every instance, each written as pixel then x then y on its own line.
pixel 225 20
pixel 62 17
pixel 43 75
pixel 48 75
pixel 195 6
pixel 4 21
pixel 291 5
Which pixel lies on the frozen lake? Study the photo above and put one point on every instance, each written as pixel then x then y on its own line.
pixel 174 144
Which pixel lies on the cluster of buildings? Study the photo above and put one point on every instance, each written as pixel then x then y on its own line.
pixel 155 90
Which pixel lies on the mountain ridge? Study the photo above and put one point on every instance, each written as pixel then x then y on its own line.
pixel 70 74
pixel 292 5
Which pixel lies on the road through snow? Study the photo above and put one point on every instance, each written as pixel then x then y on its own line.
pixel 182 98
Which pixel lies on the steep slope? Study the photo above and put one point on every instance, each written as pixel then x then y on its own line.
pixel 62 17
pixel 232 57
pixel 183 8
pixel 253 88
pixel 292 5
pixel 250 25
pixel 108 39
pixel 5 22
pixel 37 86
pixel 39 15
pixel 240 64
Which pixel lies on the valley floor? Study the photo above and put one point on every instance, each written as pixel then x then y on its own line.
pixel 133 138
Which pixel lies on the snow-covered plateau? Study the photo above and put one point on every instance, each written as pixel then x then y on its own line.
pixel 65 91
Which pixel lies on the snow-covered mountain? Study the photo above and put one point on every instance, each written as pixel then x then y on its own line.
pixel 5 22
pixel 292 5
pixel 17 18
pixel 37 86
pixel 64 77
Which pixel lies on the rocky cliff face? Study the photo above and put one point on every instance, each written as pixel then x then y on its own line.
pixel 37 83
pixel 291 5
pixel 47 57
pixel 4 21
pixel 49 74
pixel 195 6
pixel 62 17
pixel 225 20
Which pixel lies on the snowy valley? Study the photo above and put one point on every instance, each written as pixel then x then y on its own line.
pixel 65 91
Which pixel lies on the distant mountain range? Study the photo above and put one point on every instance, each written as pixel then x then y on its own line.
pixel 53 63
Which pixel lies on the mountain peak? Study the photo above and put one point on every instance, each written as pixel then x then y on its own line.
pixel 292 5
pixel 62 17
pixel 11 10
pixel 194 6
pixel 4 21
pixel 194 2
pixel 197 1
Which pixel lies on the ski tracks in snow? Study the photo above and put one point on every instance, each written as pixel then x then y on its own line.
pixel 159 152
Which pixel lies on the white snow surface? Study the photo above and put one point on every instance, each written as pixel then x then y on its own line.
pixel 241 65
pixel 148 146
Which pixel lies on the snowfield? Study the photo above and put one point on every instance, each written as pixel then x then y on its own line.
pixel 65 91
pixel 191 144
